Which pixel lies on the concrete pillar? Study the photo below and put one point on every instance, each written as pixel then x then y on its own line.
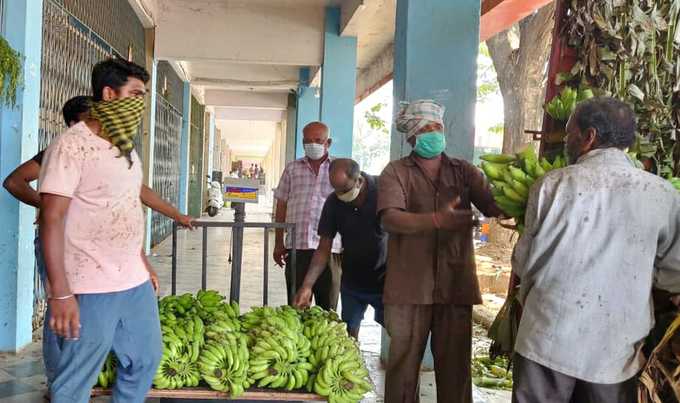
pixel 22 28
pixel 436 58
pixel 308 107
pixel 338 84
pixel 211 145
pixel 184 144
pixel 150 148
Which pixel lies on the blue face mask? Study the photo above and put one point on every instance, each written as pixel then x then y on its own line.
pixel 430 145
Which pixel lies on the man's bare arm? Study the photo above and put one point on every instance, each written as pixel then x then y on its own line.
pixel 153 201
pixel 18 183
pixel 279 248
pixel 65 314
pixel 319 261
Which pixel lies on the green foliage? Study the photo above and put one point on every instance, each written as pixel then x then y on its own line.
pixel 10 73
pixel 631 50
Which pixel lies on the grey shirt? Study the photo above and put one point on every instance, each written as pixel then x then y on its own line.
pixel 599 234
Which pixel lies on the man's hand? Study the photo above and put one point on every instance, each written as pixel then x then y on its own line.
pixel 280 255
pixel 452 219
pixel 303 298
pixel 154 280
pixel 185 221
pixel 65 318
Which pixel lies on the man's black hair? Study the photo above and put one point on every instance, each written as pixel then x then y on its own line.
pixel 115 73
pixel 74 107
pixel 613 121
pixel 349 166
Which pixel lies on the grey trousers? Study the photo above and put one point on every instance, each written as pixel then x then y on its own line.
pixel 534 383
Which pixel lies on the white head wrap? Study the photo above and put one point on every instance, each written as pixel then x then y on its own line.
pixel 415 115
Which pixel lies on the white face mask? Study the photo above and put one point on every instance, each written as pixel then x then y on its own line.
pixel 314 151
pixel 351 195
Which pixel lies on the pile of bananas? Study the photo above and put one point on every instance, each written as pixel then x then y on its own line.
pixel 183 333
pixel 342 379
pixel 108 375
pixel 224 363
pixel 562 106
pixel 512 176
pixel 279 351
pixel 206 341
pixel 339 370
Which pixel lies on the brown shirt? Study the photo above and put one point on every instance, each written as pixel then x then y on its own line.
pixel 433 267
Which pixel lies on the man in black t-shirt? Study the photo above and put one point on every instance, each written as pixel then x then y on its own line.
pixel 351 211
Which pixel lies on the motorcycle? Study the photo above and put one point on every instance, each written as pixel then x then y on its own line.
pixel 215 198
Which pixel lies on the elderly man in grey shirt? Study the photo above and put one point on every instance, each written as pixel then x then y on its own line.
pixel 599 235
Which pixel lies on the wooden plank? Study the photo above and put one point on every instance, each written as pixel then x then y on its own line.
pixel 203 393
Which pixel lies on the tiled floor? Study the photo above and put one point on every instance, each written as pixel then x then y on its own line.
pixel 21 375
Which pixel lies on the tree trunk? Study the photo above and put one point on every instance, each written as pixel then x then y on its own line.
pixel 521 75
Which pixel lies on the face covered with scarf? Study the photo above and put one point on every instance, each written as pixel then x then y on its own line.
pixel 119 111
pixel 423 124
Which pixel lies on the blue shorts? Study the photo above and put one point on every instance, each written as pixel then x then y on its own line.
pixel 354 304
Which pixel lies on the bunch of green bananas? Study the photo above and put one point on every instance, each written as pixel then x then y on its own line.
pixel 329 339
pixel 316 313
pixel 107 377
pixel 224 363
pixel 563 105
pixel 342 379
pixel 512 176
pixel 279 350
pixel 176 370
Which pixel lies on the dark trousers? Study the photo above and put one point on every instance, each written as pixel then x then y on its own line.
pixel 534 383
pixel 409 327
pixel 326 289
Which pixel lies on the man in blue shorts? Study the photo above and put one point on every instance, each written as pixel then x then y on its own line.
pixel 351 211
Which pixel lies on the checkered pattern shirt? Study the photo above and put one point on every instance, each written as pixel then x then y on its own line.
pixel 305 194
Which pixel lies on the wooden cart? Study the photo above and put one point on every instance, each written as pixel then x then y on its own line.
pixel 252 394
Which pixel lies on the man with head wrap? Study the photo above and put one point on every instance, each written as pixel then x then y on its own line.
pixel 425 202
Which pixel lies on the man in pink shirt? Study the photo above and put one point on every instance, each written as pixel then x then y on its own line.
pixel 101 298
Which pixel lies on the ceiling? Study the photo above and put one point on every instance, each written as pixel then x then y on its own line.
pixel 248 138
pixel 229 48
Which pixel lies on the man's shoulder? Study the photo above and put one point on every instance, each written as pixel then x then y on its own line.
pixel 75 136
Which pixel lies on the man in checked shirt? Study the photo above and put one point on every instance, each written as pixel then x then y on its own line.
pixel 300 196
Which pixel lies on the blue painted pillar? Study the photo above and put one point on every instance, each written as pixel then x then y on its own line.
pixel 184 150
pixel 435 57
pixel 211 144
pixel 153 94
pixel 22 27
pixel 308 108
pixel 338 84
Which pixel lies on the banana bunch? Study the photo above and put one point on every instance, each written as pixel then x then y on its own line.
pixel 186 335
pixel 176 370
pixel 329 340
pixel 317 313
pixel 342 379
pixel 108 375
pixel 562 106
pixel 279 350
pixel 224 364
pixel 512 176
pixel 255 316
